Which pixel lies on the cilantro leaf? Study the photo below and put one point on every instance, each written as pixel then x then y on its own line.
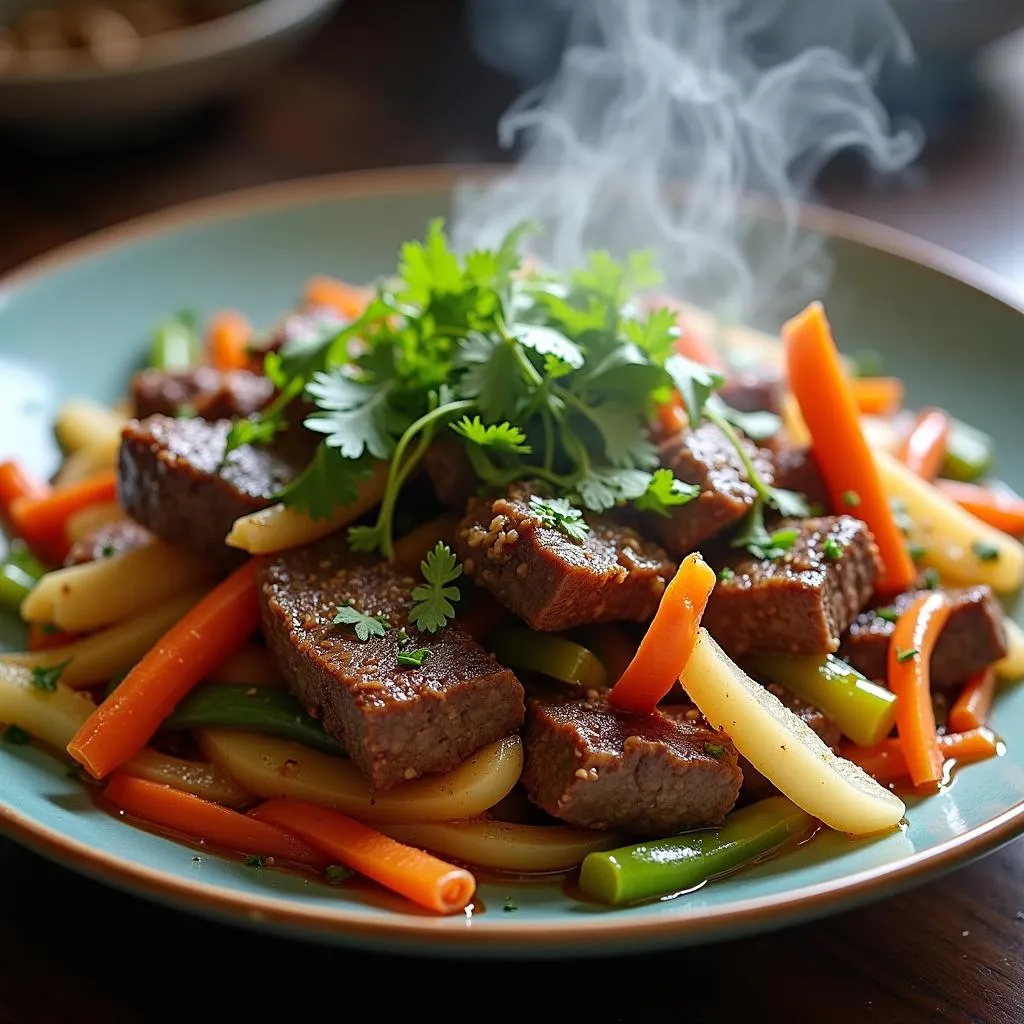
pixel 429 266
pixel 695 384
pixel 329 481
pixel 502 437
pixel 560 515
pixel 365 625
pixel 547 341
pixel 602 488
pixel 44 678
pixel 432 602
pixel 606 276
pixel 758 426
pixel 355 416
pixel 753 534
pixel 623 433
pixel 665 492
pixel 788 503
pixel 413 659
pixel 492 376
pixel 656 335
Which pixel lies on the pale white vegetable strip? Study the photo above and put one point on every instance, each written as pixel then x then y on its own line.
pixel 278 528
pixel 81 598
pixel 100 656
pixel 503 845
pixel 273 767
pixel 948 534
pixel 783 748
pixel 84 423
pixel 54 716
pixel 1012 666
pixel 84 463
pixel 91 518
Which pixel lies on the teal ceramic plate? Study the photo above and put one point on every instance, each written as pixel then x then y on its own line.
pixel 75 323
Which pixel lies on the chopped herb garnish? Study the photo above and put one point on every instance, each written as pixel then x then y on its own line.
pixel 930 579
pixel 502 437
pixel 510 907
pixel 832 549
pixel 726 574
pixel 784 539
pixel 665 492
pixel 560 515
pixel 335 873
pixel 108 551
pixel 432 601
pixel 851 499
pixel 47 678
pixel 413 659
pixel 758 426
pixel 867 362
pixel 254 861
pixel 186 411
pixel 905 655
pixel 985 552
pixel 16 736
pixel 365 625
pixel 887 614
pixel 714 749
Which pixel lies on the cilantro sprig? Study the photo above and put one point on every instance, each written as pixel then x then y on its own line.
pixel 363 624
pixel 432 607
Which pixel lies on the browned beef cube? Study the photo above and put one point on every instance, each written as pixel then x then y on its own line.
pixel 651 775
pixel 203 391
pixel 754 392
pixel 705 457
pixel 974 636
pixel 174 480
pixel 114 538
pixel 797 470
pixel 801 602
pixel 396 722
pixel 451 473
pixel 552 581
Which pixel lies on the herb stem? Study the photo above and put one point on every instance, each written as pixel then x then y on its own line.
pixel 753 477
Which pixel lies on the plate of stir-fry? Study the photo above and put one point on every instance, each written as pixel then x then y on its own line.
pixel 385 593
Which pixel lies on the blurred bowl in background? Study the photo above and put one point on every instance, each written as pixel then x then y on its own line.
pixel 76 100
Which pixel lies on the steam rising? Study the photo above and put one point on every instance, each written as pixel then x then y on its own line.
pixel 728 97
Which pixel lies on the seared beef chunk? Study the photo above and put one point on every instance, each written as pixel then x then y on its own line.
pixel 705 457
pixel 974 637
pixel 797 470
pixel 451 473
pixel 754 392
pixel 652 775
pixel 205 392
pixel 801 602
pixel 113 538
pixel 395 722
pixel 549 579
pixel 174 480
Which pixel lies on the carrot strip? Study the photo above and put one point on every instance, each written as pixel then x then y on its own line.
pixel 886 762
pixel 668 642
pixel 346 299
pixel 910 652
pixel 925 446
pixel 42 521
pixel 824 395
pixel 1003 511
pixel 228 339
pixel 16 483
pixel 971 708
pixel 126 721
pixel 671 416
pixel 46 638
pixel 877 396
pixel 419 876
pixel 207 822
pixel 695 347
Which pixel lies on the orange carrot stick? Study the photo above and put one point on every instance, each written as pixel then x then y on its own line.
pixel 346 299
pixel 925 446
pixel 205 821
pixel 909 676
pixel 16 482
pixel 227 340
pixel 45 638
pixel 1003 511
pixel 877 396
pixel 671 416
pixel 668 642
pixel 42 521
pixel 419 876
pixel 886 762
pixel 126 721
pixel 971 708
pixel 823 393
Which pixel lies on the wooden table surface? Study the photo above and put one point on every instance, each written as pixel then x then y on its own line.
pixel 389 84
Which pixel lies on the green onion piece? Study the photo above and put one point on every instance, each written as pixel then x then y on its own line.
pixel 255 708
pixel 549 654
pixel 663 867
pixel 969 453
pixel 863 710
pixel 175 345
pixel 15 585
pixel 18 554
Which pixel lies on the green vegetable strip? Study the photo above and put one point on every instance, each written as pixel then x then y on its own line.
pixel 863 710
pixel 664 867
pixel 255 708
pixel 175 346
pixel 969 453
pixel 15 585
pixel 549 654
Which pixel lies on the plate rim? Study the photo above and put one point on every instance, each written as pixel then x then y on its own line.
pixel 488 934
